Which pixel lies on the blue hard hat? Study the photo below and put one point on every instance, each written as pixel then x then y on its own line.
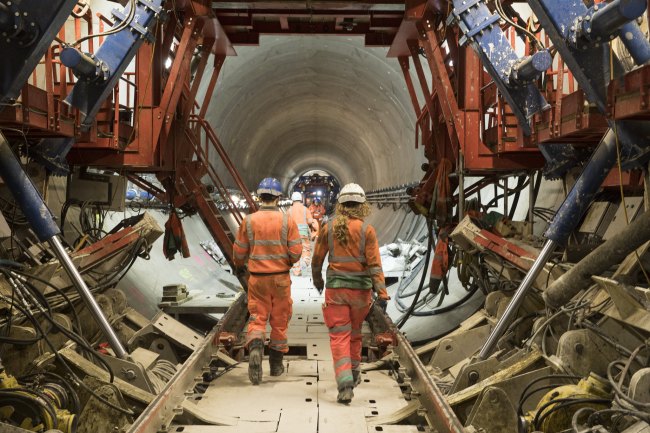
pixel 270 185
pixel 145 195
pixel 131 194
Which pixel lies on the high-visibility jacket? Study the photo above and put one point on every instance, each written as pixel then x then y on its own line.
pixel 354 266
pixel 317 211
pixel 301 215
pixel 269 239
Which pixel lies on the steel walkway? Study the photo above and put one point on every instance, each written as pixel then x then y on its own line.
pixel 303 399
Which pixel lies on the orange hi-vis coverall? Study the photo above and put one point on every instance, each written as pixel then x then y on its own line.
pixel 318 212
pixel 440 263
pixel 270 241
pixel 301 215
pixel 353 271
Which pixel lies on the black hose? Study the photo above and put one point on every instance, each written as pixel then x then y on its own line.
pixel 515 200
pixel 424 275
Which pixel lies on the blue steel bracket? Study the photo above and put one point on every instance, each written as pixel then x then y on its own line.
pixel 28 27
pixel 113 57
pixel 560 158
pixel 51 153
pixel 588 59
pixel 25 193
pixel 514 76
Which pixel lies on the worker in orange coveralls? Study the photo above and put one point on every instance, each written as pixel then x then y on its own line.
pixel 270 241
pixel 354 269
pixel 440 263
pixel 306 224
pixel 317 211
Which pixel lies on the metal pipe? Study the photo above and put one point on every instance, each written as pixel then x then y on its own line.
pixel 608 254
pixel 584 190
pixel 517 299
pixel 607 19
pixel 635 42
pixel 87 296
pixel 531 201
pixel 25 194
pixel 531 67
pixel 40 219
pixel 565 221
pixel 81 64
pixel 461 188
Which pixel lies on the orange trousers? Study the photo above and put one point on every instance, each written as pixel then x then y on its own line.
pixel 344 312
pixel 269 299
pixel 305 258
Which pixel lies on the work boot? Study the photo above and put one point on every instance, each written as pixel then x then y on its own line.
pixel 255 353
pixel 356 376
pixel 275 361
pixel 345 395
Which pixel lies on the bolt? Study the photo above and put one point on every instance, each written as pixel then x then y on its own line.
pixel 579 348
pixel 494 398
pixel 473 376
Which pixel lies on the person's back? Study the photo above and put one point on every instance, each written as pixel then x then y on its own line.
pixel 354 269
pixel 302 217
pixel 267 232
pixel 269 241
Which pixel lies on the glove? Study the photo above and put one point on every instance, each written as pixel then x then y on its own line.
pixel 319 284
pixel 240 271
pixel 382 301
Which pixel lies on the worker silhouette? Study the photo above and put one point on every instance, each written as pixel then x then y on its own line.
pixel 354 269
pixel 317 211
pixel 306 224
pixel 269 240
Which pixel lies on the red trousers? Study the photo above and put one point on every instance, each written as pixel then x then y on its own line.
pixel 343 312
pixel 269 299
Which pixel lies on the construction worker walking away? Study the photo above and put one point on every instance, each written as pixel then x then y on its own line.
pixel 317 211
pixel 354 269
pixel 306 224
pixel 270 242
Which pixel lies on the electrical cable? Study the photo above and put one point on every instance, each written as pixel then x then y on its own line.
pixel 124 24
pixel 562 403
pixel 8 395
pixel 539 379
pixel 74 397
pixel 502 14
pixel 31 291
pixel 72 373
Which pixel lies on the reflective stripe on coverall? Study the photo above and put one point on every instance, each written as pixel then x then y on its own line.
pixel 353 270
pixel 270 241
pixel 301 215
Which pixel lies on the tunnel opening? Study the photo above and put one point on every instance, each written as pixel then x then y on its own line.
pixel 316 185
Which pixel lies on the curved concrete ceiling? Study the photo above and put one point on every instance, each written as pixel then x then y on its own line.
pixel 295 104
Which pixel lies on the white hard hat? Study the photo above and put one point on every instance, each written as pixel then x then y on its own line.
pixel 296 196
pixel 352 193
